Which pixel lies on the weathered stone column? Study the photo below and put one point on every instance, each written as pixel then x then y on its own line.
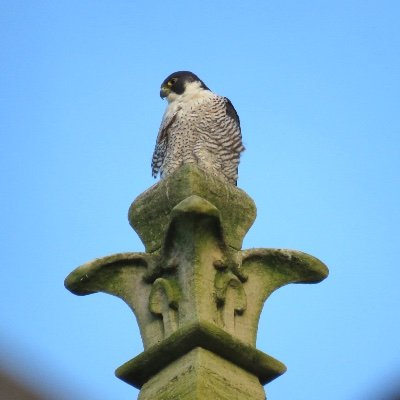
pixel 196 295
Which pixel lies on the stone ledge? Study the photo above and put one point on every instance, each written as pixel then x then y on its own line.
pixel 201 374
pixel 140 369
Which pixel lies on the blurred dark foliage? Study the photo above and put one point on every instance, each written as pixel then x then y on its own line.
pixel 12 389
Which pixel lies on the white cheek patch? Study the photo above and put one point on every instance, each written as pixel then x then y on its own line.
pixel 172 97
pixel 193 91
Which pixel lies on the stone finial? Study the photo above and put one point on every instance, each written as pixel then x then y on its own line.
pixel 196 295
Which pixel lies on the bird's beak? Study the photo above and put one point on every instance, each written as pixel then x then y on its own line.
pixel 164 91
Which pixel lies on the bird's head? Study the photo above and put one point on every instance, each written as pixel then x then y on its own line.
pixel 180 83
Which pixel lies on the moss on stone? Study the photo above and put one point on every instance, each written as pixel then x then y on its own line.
pixel 140 369
pixel 149 214
pixel 196 295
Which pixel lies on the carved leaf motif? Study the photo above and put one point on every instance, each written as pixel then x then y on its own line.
pixel 230 297
pixel 163 301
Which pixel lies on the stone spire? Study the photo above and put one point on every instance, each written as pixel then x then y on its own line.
pixel 197 296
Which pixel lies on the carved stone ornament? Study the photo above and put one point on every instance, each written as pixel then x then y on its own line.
pixel 196 295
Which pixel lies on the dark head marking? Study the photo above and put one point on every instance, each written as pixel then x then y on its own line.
pixel 176 82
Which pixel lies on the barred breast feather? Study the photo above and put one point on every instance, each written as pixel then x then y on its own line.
pixel 203 130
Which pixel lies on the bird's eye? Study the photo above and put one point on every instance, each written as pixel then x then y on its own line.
pixel 172 81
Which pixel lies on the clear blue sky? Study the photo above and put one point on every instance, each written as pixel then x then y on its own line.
pixel 317 87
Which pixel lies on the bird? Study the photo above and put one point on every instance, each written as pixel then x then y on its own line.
pixel 198 127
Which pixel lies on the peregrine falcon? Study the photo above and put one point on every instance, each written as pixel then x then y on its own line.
pixel 198 127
